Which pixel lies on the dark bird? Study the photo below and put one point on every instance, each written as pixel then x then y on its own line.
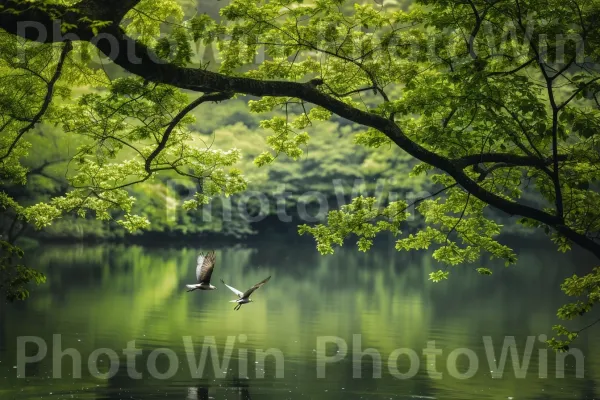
pixel 245 296
pixel 204 269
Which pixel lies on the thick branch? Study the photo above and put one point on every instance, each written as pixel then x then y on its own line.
pixel 44 24
pixel 107 10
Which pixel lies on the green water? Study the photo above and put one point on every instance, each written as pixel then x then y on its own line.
pixel 108 296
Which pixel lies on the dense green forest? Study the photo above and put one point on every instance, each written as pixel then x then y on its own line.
pixel 332 166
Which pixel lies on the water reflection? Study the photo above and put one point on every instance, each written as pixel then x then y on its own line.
pixel 109 296
pixel 230 389
pixel 198 393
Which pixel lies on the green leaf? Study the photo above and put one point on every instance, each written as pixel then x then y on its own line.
pixel 438 276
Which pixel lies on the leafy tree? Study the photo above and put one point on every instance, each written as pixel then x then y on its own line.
pixel 497 99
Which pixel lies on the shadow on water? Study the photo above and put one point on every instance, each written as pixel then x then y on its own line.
pixel 198 393
pixel 231 389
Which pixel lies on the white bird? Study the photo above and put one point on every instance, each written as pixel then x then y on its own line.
pixel 245 296
pixel 204 269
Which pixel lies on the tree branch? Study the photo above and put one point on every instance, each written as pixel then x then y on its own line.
pixel 178 118
pixel 47 99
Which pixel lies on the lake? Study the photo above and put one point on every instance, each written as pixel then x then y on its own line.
pixel 135 333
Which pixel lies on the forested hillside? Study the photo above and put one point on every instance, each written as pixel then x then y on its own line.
pixel 331 168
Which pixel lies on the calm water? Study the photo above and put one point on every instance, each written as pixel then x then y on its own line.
pixel 106 297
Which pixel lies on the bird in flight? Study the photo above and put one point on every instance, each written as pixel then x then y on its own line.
pixel 244 297
pixel 204 269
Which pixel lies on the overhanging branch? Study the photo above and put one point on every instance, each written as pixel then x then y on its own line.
pixel 163 143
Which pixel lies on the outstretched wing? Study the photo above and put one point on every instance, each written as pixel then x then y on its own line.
pixel 234 290
pixel 248 292
pixel 205 266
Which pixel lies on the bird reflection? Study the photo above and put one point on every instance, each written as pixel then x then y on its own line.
pixel 201 392
pixel 245 394
pixel 243 387
pixel 197 393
